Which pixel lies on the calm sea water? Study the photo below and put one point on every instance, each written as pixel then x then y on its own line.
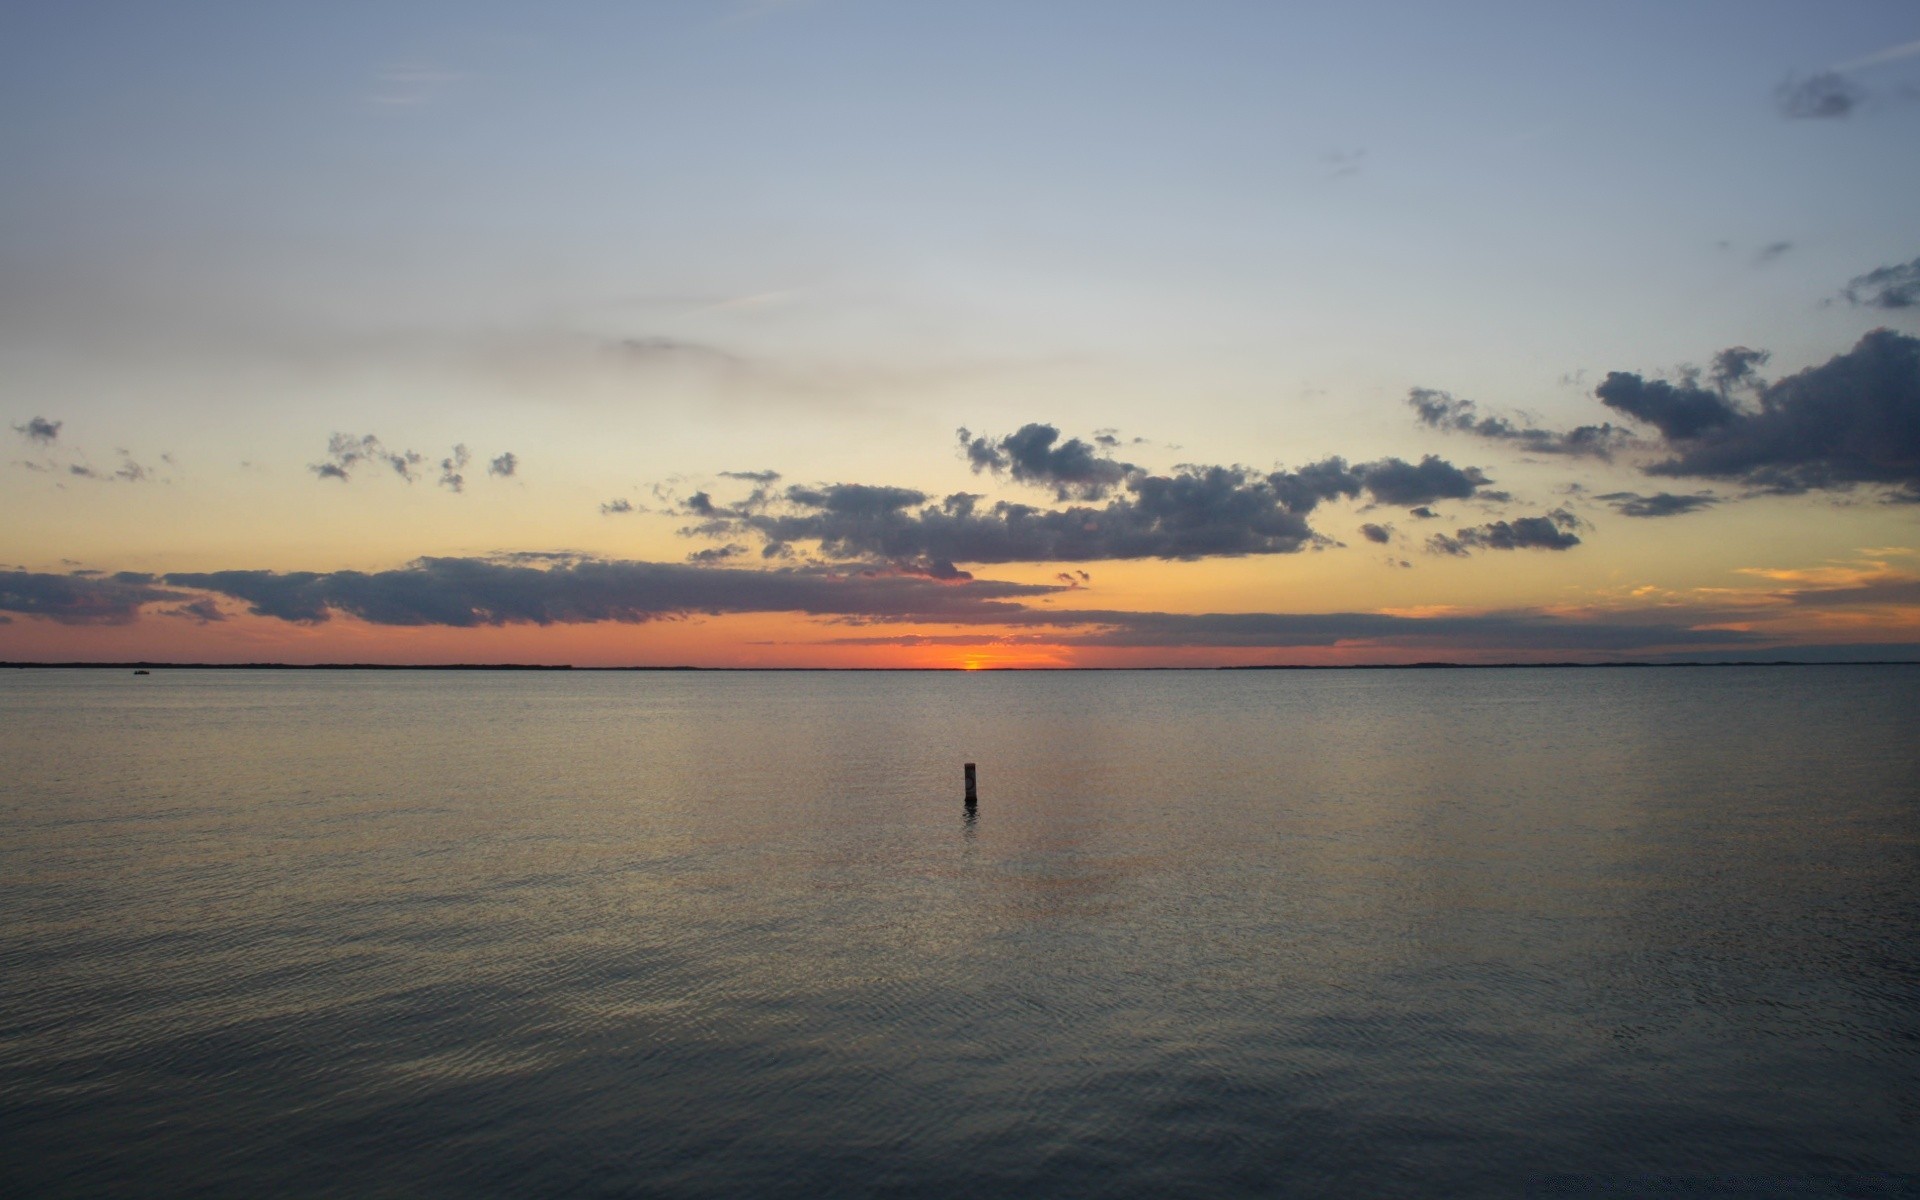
pixel 1498 932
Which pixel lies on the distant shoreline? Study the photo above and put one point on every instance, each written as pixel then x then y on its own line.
pixel 1412 666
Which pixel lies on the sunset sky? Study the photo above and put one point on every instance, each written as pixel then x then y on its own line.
pixel 878 333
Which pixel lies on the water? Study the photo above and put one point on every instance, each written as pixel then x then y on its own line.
pixel 1502 932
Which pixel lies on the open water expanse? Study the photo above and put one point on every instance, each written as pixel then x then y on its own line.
pixel 1488 932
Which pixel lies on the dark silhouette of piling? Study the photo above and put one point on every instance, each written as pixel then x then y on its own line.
pixel 973 797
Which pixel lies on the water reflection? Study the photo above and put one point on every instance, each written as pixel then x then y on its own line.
pixel 1229 933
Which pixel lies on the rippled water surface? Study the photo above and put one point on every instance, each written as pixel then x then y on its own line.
pixel 1495 932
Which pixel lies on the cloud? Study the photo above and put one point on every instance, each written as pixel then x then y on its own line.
pixel 1193 512
pixel 469 592
pixel 1397 482
pixel 1074 469
pixel 345 453
pixel 1378 534
pixel 204 611
pixel 1442 410
pixel 82 598
pixel 40 430
pixel 1679 411
pixel 1824 95
pixel 1551 531
pixel 1853 420
pixel 1770 252
pixel 451 468
pixel 1660 504
pixel 1878 57
pixel 1894 287
pixel 618 508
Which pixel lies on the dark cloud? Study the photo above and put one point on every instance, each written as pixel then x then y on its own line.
pixel 1552 531
pixel 1441 410
pixel 1893 287
pixel 505 465
pixel 1738 367
pixel 1195 512
pixel 41 430
pixel 1423 513
pixel 1379 534
pixel 1827 95
pixel 83 598
pixel 1679 411
pixel 617 508
pixel 1034 454
pixel 467 592
pixel 760 477
pixel 1853 420
pixel 1660 504
pixel 1397 482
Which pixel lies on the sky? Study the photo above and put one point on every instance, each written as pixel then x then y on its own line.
pixel 875 333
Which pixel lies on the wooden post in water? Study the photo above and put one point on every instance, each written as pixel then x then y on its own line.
pixel 973 797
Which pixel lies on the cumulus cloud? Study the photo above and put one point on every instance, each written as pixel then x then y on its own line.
pixel 1219 511
pixel 1894 287
pixel 505 466
pixel 1551 531
pixel 1442 410
pixel 1378 534
pixel 1822 96
pixel 84 597
pixel 1193 512
pixel 1852 420
pixel 1660 504
pixel 1034 454
pixel 40 430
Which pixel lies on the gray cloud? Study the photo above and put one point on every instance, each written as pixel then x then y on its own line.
pixel 1679 411
pixel 345 453
pixel 1770 252
pixel 1660 504
pixel 1894 287
pixel 451 468
pixel 203 611
pixel 468 592
pixel 1074 469
pixel 618 508
pixel 1441 410
pixel 1825 95
pixel 1379 534
pixel 1194 512
pixel 41 430
pixel 82 598
pixel 1551 531
pixel 1853 420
